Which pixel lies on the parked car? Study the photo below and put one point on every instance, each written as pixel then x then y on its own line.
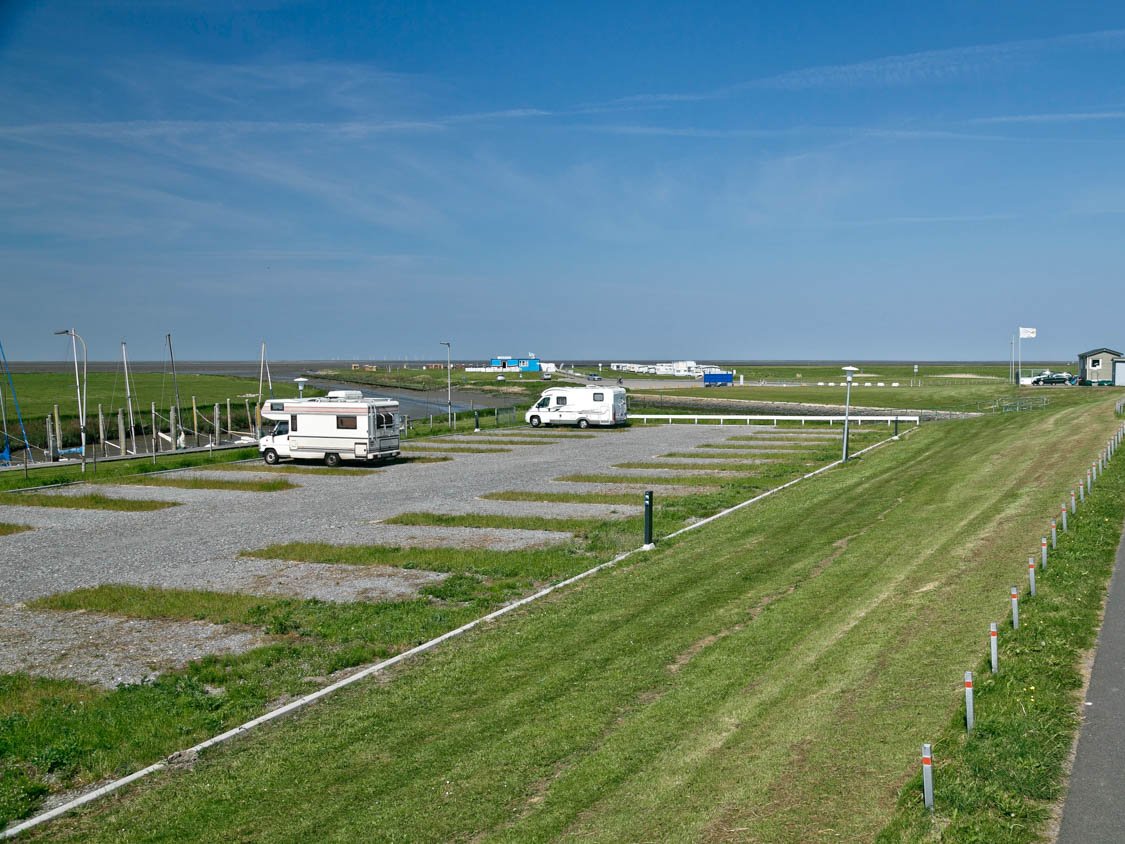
pixel 1053 378
pixel 593 377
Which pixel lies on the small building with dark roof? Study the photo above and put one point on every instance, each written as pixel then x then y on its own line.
pixel 1101 366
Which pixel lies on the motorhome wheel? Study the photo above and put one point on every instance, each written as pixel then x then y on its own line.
pixel 331 460
pixel 270 456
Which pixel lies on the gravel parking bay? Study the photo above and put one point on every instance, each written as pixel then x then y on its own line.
pixel 196 545
pixel 167 628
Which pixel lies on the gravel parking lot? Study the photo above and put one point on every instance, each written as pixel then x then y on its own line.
pixel 196 545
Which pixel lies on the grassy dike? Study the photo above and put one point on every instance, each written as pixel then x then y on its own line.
pixel 1001 783
pixel 768 678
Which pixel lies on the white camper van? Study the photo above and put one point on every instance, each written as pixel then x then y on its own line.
pixel 581 406
pixel 344 425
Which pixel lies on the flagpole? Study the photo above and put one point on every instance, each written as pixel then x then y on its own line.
pixel 1019 358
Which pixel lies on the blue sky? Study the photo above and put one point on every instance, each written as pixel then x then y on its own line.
pixel 580 180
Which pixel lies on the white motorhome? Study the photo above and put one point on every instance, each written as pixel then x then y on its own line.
pixel 581 406
pixel 344 425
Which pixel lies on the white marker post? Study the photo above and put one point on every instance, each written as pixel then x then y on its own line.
pixel 1081 492
pixel 1015 608
pixel 969 719
pixel 1073 503
pixel 1043 552
pixel 1064 517
pixel 927 777
pixel 1031 575
pixel 994 651
pixel 1054 534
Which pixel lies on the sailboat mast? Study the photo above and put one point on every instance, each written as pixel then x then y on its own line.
pixel 176 390
pixel 261 370
pixel 4 413
pixel 129 397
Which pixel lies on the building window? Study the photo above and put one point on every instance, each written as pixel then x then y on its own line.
pixel 346 423
pixel 1095 363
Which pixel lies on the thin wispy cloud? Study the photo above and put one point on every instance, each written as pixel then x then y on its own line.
pixel 925 67
pixel 1054 117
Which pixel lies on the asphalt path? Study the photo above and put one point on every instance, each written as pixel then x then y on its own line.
pixel 1095 803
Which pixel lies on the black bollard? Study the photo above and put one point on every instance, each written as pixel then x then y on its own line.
pixel 648 519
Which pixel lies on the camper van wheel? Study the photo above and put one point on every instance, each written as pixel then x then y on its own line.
pixel 582 423
pixel 270 456
pixel 536 421
pixel 331 460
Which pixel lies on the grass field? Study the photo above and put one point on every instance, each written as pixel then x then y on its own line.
pixel 72 473
pixel 7 528
pixel 968 397
pixel 768 678
pixel 51 741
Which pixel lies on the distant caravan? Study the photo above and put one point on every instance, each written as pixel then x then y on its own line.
pixel 344 425
pixel 581 406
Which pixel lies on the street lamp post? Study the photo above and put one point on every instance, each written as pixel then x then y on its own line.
pixel 847 407
pixel 80 387
pixel 448 382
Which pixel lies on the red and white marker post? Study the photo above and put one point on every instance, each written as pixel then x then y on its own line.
pixel 927 777
pixel 993 650
pixel 1031 575
pixel 969 718
pixel 1043 552
pixel 1015 593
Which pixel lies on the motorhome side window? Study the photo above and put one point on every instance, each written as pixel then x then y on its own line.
pixel 562 400
pixel 599 396
pixel 346 422
pixel 293 422
pixel 277 405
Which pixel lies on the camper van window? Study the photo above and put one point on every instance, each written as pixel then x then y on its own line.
pixel 599 396
pixel 544 402
pixel 562 400
pixel 293 422
pixel 277 405
pixel 384 420
pixel 346 422
pixel 280 429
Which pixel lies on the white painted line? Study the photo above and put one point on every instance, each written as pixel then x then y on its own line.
pixel 110 787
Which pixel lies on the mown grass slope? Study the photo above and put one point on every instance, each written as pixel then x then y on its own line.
pixel 767 678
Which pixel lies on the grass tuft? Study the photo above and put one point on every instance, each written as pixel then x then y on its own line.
pixel 274 485
pixel 88 501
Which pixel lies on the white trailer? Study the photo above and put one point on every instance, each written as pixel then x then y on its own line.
pixel 581 406
pixel 344 425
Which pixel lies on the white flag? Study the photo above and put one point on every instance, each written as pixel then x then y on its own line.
pixel 1027 333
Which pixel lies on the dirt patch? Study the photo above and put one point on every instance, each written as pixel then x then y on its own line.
pixel 342 583
pixel 108 651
